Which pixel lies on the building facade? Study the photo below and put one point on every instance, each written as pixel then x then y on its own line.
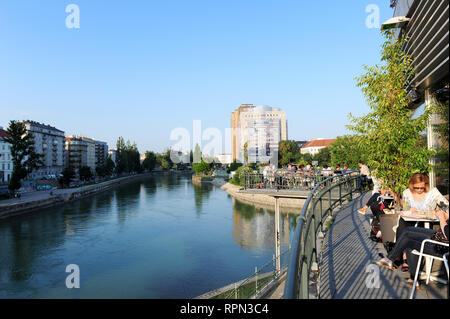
pixel 428 45
pixel 49 142
pixel 76 153
pixel 101 153
pixel 90 152
pixel 313 147
pixel 261 128
pixel 6 163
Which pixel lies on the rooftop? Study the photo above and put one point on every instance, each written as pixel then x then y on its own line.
pixel 319 143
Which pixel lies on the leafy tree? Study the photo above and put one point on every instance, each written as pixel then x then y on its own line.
pixel 150 161
pixel 23 154
pixel 238 177
pixel 323 156
pixel 201 168
pixel 391 135
pixel 68 174
pixel 246 152
pixel 348 150
pixel 197 156
pixel 288 152
pixel 109 165
pixel 234 166
pixel 85 173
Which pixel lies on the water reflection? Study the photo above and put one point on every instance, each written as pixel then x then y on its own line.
pixel 254 228
pixel 161 237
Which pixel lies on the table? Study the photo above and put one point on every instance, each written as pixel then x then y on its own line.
pixel 427 222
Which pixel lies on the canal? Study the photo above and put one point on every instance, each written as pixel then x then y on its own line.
pixel 162 237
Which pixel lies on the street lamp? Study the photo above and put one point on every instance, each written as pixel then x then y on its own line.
pixel 395 22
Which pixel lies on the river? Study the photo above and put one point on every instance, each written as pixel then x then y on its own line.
pixel 161 237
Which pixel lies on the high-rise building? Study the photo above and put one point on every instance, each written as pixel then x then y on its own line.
pixel 261 127
pixel 49 142
pixel 101 153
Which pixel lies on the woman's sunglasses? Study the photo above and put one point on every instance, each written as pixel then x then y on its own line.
pixel 419 188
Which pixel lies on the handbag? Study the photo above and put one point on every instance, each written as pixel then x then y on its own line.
pixel 440 237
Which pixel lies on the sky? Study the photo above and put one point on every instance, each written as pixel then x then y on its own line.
pixel 140 69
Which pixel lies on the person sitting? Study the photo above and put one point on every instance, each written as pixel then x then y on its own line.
pixel 411 239
pixel 375 198
pixel 338 169
pixel 420 198
pixel 344 169
pixel 326 171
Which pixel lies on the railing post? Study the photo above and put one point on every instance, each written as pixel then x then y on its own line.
pixel 277 236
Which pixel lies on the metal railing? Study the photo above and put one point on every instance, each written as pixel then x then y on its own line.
pixel 323 199
pixel 260 279
pixel 286 180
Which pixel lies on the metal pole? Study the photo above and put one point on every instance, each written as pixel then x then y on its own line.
pixel 277 236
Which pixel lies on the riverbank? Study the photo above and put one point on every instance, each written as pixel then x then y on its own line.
pixel 44 199
pixel 261 200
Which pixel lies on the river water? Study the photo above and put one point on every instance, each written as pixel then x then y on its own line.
pixel 161 237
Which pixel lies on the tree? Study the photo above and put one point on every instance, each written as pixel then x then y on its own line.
pixel 391 135
pixel 246 152
pixel 197 156
pixel 24 157
pixel 288 152
pixel 234 166
pixel 67 175
pixel 201 168
pixel 149 162
pixel 85 173
pixel 347 149
pixel 323 156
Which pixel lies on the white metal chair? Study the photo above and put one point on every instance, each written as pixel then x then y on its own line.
pixel 428 265
pixel 446 262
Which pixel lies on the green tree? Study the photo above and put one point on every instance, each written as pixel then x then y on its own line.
pixel 85 173
pixel 234 166
pixel 68 174
pixel 348 149
pixel 246 152
pixel 201 168
pixel 391 135
pixel 288 152
pixel 23 154
pixel 149 162
pixel 197 156
pixel 323 156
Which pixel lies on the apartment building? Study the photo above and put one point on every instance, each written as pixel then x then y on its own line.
pixel 6 164
pixel 261 128
pixel 49 142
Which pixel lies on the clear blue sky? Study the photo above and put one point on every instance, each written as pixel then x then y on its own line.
pixel 139 69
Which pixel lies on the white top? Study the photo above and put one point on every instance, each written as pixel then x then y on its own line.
pixel 430 202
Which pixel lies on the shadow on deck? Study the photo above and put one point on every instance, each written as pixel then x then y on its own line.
pixel 349 258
